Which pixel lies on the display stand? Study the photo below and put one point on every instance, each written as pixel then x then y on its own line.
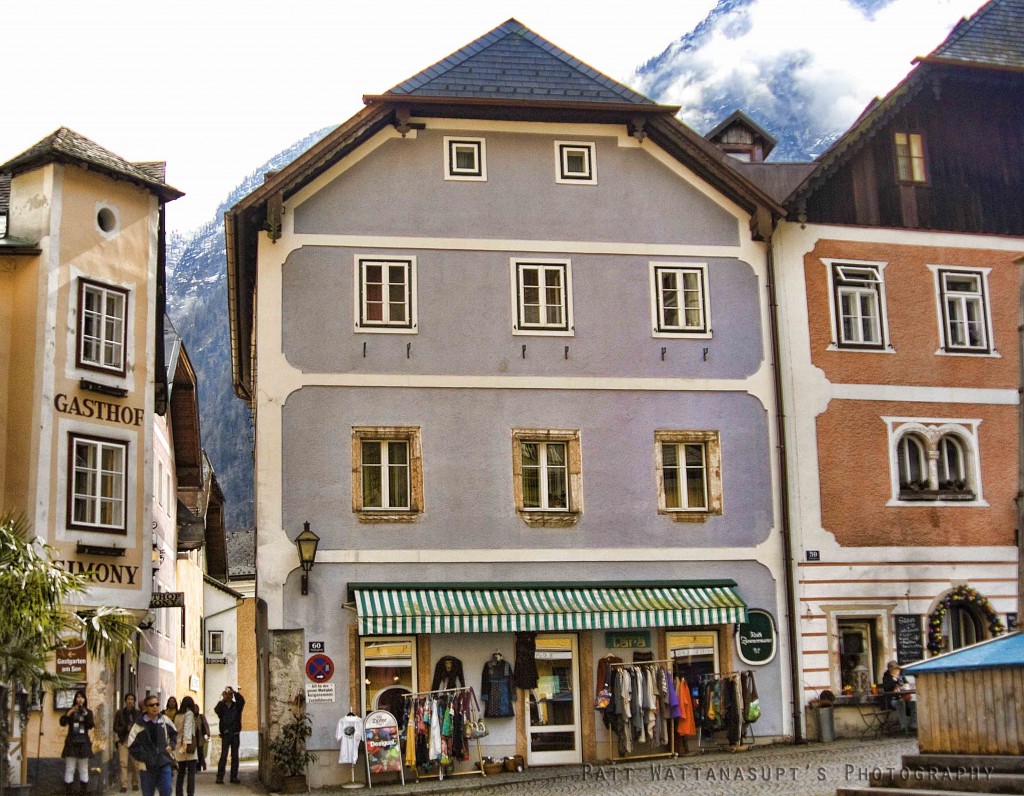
pixel 353 784
pixel 614 758
pixel 440 775
pixel 381 740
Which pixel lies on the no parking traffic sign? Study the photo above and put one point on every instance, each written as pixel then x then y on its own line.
pixel 319 668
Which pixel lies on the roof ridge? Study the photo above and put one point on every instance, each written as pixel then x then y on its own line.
pixel 610 87
pixel 964 26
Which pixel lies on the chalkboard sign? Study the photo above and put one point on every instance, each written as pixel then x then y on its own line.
pixel 909 639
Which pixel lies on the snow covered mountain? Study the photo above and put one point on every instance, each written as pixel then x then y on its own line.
pixel 198 305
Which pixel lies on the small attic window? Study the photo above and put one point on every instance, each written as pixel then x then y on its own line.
pixel 465 159
pixel 910 157
pixel 107 220
pixel 575 162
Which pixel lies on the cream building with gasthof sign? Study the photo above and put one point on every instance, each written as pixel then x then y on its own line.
pixel 81 379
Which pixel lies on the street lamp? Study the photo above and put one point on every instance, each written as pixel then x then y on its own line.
pixel 307 542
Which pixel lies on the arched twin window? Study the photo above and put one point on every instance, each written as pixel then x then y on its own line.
pixel 934 465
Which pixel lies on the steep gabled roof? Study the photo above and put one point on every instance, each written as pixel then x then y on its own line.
pixel 738 117
pixel 64 145
pixel 977 42
pixel 993 37
pixel 512 62
pixel 553 86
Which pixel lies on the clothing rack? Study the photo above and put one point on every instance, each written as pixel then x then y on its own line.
pixel 671 736
pixel 745 728
pixel 440 775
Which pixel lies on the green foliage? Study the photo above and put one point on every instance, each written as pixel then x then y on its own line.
pixel 34 620
pixel 288 749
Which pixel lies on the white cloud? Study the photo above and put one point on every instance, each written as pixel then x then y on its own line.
pixel 216 87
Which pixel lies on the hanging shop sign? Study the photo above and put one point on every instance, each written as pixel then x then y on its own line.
pixel 72 660
pixel 634 640
pixel 319 668
pixel 383 751
pixel 909 638
pixel 755 639
pixel 167 599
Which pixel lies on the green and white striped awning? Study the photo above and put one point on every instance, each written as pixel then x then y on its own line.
pixel 405 609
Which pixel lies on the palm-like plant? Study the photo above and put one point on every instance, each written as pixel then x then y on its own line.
pixel 34 620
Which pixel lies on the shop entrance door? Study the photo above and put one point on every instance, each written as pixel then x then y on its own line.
pixel 553 707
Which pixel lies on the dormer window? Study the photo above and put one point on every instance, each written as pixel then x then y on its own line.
pixel 910 157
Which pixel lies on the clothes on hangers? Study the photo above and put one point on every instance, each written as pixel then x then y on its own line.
pixel 350 734
pixel 448 674
pixel 497 689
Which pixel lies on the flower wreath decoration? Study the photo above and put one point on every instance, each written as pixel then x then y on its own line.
pixel 966 596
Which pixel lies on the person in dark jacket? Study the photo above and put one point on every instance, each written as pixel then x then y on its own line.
pixel 124 719
pixel 151 741
pixel 77 745
pixel 229 711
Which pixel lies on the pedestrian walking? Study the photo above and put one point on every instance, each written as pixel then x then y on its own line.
pixel 203 735
pixel 124 719
pixel 171 710
pixel 229 711
pixel 151 741
pixel 77 745
pixel 185 752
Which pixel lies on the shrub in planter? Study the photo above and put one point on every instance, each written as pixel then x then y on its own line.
pixel 289 753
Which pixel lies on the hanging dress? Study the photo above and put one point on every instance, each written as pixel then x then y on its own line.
pixel 686 723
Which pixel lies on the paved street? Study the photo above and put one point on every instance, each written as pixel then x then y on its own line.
pixel 812 770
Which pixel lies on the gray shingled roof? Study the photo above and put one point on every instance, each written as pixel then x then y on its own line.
pixel 513 62
pixel 993 37
pixel 66 146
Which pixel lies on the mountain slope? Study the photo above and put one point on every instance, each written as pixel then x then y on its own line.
pixel 198 306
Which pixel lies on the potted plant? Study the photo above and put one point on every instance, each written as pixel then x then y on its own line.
pixel 289 753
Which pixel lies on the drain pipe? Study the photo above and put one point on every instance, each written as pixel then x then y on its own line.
pixel 787 535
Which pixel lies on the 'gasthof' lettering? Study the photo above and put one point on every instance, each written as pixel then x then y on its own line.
pixel 98 410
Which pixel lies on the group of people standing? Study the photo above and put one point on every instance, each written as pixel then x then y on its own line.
pixel 152 743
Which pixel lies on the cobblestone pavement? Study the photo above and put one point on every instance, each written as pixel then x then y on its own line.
pixel 814 769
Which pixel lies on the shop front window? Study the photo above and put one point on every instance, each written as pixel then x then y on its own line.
pixel 389 672
pixel 858 655
pixel 693 654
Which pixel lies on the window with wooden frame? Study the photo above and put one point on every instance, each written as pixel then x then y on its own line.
pixel 547 476
pixel 97 484
pixel 216 642
pixel 679 300
pixel 542 296
pixel 575 163
pixel 689 474
pixel 465 159
pixel 387 473
pixel 910 166
pixel 102 327
pixel 964 311
pixel 385 294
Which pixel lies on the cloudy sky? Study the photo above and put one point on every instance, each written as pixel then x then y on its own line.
pixel 217 87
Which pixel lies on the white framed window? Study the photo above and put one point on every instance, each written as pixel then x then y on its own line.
pixel 102 327
pixel 542 297
pixel 387 468
pixel 857 304
pixel 97 483
pixel 547 476
pixel 575 162
pixel 465 159
pixel 385 294
pixel 965 323
pixel 934 461
pixel 910 157
pixel 215 643
pixel 689 473
pixel 160 482
pixel 679 300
